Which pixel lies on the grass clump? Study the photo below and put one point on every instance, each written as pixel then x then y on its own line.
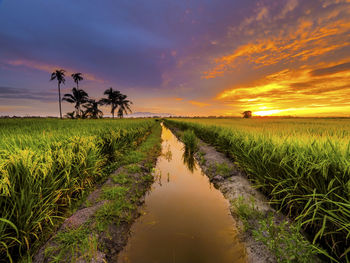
pixel 223 169
pixel 122 179
pixel 282 238
pixel 285 241
pixel 114 192
pixel 133 168
pixel 246 211
pixel 78 243
pixel 202 159
pixel 113 212
pixel 190 140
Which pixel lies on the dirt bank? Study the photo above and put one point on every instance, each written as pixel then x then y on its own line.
pixel 234 184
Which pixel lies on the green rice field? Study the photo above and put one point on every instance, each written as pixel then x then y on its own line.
pixel 48 164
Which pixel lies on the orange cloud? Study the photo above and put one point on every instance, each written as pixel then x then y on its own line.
pixel 306 38
pixel 49 68
pixel 198 103
pixel 9 108
pixel 289 92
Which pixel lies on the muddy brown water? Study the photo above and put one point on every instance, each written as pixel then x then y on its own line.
pixel 184 219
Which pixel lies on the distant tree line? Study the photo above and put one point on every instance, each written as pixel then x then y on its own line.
pixel 86 107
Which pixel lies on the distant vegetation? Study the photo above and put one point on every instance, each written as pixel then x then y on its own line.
pixel 302 165
pixel 247 114
pixel 117 101
pixel 86 107
pixel 79 97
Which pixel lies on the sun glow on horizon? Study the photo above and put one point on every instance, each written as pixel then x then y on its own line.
pixel 313 91
pixel 304 111
pixel 267 112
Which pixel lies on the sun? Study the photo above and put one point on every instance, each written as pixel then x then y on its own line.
pixel 267 112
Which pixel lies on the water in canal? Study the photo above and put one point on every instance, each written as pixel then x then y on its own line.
pixel 184 219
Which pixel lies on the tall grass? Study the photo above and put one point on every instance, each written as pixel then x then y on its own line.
pixel 45 164
pixel 191 146
pixel 304 170
pixel 190 140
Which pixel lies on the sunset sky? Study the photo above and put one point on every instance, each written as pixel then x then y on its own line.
pixel 200 57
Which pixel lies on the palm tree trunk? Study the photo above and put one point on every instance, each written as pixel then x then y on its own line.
pixel 113 114
pixel 59 99
pixel 77 110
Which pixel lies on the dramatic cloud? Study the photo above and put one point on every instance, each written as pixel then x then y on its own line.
pixel 17 94
pixel 299 90
pixel 49 68
pixel 331 70
pixel 201 57
pixel 198 103
pixel 275 41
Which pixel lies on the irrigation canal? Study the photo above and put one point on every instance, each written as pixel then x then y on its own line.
pixel 184 219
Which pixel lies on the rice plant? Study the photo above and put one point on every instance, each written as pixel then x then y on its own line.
pixel 190 141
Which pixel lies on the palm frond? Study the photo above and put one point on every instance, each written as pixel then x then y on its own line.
pixel 53 76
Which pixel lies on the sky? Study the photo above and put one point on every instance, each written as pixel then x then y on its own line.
pixel 183 57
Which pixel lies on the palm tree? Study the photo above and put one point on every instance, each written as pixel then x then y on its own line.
pixel 112 99
pixel 59 75
pixel 124 105
pixel 70 115
pixel 78 97
pixel 92 109
pixel 77 77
